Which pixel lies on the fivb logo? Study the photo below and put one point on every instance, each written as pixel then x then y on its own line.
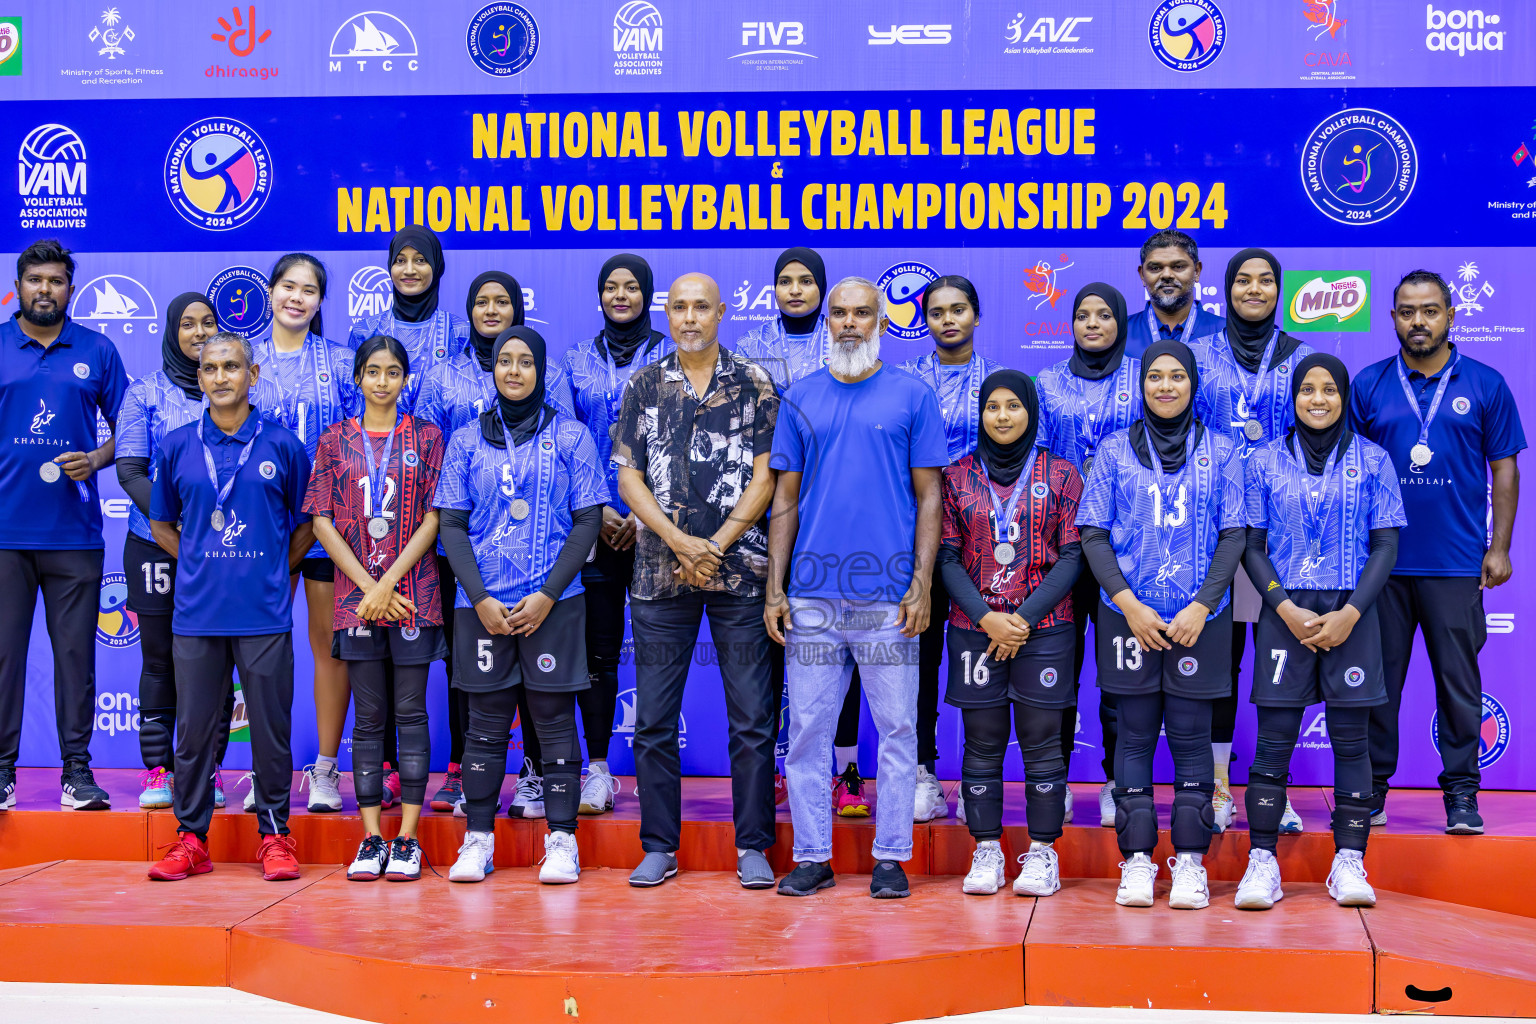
pixel 1460 31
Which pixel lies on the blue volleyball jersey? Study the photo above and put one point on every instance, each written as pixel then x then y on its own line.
pixel 434 340
pixel 597 385
pixel 1164 526
pixel 958 389
pixel 556 472
pixel 153 407
pixel 457 391
pixel 1077 414
pixel 232 581
pixel 787 357
pixel 1319 527
pixel 1221 402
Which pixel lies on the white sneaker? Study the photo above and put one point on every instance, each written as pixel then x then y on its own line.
pixel 249 779
pixel 1379 818
pixel 597 792
pixel 1107 804
pixel 1260 887
pixel 368 865
pixel 960 805
pixel 324 784
pixel 1136 877
pixel 528 797
pixel 1068 817
pixel 404 860
pixel 1223 806
pixel 475 858
pixel 562 863
pixel 1041 875
pixel 1346 882
pixel 928 801
pixel 1190 890
pixel 1290 821
pixel 986 874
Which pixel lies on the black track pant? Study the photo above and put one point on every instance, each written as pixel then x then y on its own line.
pixel 71 586
pixel 1224 709
pixel 1085 607
pixel 485 754
pixel 1187 721
pixel 606 587
pixel 1279 728
pixel 265 664
pixel 157 696
pixel 1045 771
pixel 370 699
pixel 1449 609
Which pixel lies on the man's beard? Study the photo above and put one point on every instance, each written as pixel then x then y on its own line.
pixel 32 316
pixel 1421 349
pixel 1172 305
pixel 856 361
pixel 696 346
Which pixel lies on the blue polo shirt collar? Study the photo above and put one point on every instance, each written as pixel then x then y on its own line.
pixel 23 339
pixel 213 435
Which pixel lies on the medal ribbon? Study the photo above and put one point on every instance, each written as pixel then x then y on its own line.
pixel 1091 431
pixel 517 481
pixel 1002 517
pixel 1425 419
pixel 972 380
pixel 221 494
pixel 1252 397
pixel 377 477
pixel 1316 510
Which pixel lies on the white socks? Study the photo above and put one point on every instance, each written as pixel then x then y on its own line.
pixel 598 766
pixel 325 761
pixel 844 756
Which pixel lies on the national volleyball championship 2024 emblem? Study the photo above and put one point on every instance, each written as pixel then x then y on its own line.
pixel 903 286
pixel 116 626
pixel 1187 35
pixel 218 173
pixel 241 300
pixel 1359 166
pixel 503 39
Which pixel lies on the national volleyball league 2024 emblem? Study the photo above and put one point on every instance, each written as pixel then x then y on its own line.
pixel 218 173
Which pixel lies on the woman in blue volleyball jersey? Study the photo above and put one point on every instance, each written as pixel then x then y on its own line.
pixel 521 497
pixel 153 406
pixel 1084 399
pixel 1323 510
pixel 1162 525
pixel 315 378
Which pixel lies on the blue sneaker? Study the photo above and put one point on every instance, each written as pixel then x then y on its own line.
pixel 157 783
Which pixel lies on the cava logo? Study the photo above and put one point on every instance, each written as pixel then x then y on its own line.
pixel 241 300
pixel 637 39
pixel 369 293
pixel 218 173
pixel 115 299
pixel 1327 300
pixel 50 176
pixel 374 39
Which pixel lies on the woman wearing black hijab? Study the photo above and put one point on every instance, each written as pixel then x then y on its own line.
pixel 793 344
pixel 1323 514
pixel 1162 525
pixel 430 335
pixel 521 495
pixel 1084 399
pixel 1009 556
pixel 153 406
pixel 598 368
pixel 1246 371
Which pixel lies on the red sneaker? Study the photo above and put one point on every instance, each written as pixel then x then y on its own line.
pixel 780 789
pixel 186 856
pixel 848 798
pixel 277 858
pixel 391 794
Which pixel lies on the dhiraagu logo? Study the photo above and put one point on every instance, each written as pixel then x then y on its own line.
pixel 1327 300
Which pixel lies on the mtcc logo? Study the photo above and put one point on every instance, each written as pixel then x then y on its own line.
pixel 116 626
pixel 374 39
pixel 1493 735
pixel 218 173
pixel 624 720
pixel 116 299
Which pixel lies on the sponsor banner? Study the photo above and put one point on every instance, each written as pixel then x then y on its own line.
pixel 1327 300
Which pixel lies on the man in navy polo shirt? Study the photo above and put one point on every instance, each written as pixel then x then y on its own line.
pixel 1169 269
pixel 227 503
pixel 1445 419
pixel 55 378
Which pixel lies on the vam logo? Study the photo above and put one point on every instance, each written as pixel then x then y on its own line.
pixel 637 39
pixel 1324 300
pixel 1460 32
pixel 904 285
pixel 773 45
pixel 910 35
pixel 1493 734
pixel 1187 36
pixel 51 177
pixel 116 626
pixel 241 300
pixel 218 173
pixel 369 293
pixel 374 39
pixel 624 723
pixel 116 299
pixel 1359 166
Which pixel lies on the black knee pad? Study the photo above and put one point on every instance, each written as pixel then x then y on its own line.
pixel 1351 825
pixel 1135 820
pixel 1193 820
pixel 983 805
pixel 1045 807
pixel 1265 803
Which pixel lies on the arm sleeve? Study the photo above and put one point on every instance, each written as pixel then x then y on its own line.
pixel 1261 570
pixel 164 500
pixel 1378 566
pixel 1224 565
pixel 962 589
pixel 133 475
pixel 1057 585
pixel 586 523
pixel 453 530
pixel 1101 559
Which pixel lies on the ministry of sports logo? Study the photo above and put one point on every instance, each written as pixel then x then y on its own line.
pixel 116 626
pixel 904 285
pixel 1188 666
pixel 1493 734
pixel 1359 166
pixel 1187 35
pixel 241 300
pixel 503 39
pixel 218 173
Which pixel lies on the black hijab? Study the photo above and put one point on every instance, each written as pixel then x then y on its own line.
pixel 1166 434
pixel 181 370
pixel 1005 462
pixel 812 261
pixel 482 344
pixel 624 340
pixel 1317 444
pixel 1098 365
pixel 526 415
pixel 413 309
pixel 1248 337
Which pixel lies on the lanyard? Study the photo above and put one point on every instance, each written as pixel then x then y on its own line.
pixel 972 383
pixel 1317 505
pixel 221 494
pixel 1252 397
pixel 1186 329
pixel 1004 529
pixel 1092 427
pixel 1165 529
pixel 376 477
pixel 517 481
pixel 1413 400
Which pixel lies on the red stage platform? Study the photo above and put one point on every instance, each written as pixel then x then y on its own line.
pixel 1454 931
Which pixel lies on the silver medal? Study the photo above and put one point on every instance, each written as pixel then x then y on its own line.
pixel 50 472
pixel 378 527
pixel 1088 465
pixel 217 520
pixel 1003 553
pixel 1421 454
pixel 1254 429
pixel 520 510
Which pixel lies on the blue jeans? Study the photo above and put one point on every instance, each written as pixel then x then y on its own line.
pixel 828 638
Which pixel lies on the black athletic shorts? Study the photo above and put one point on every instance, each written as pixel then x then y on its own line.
pixel 151 573
pixel 1040 675
pixel 1201 672
pixel 1287 675
pixel 410 645
pixel 321 570
pixel 553 659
